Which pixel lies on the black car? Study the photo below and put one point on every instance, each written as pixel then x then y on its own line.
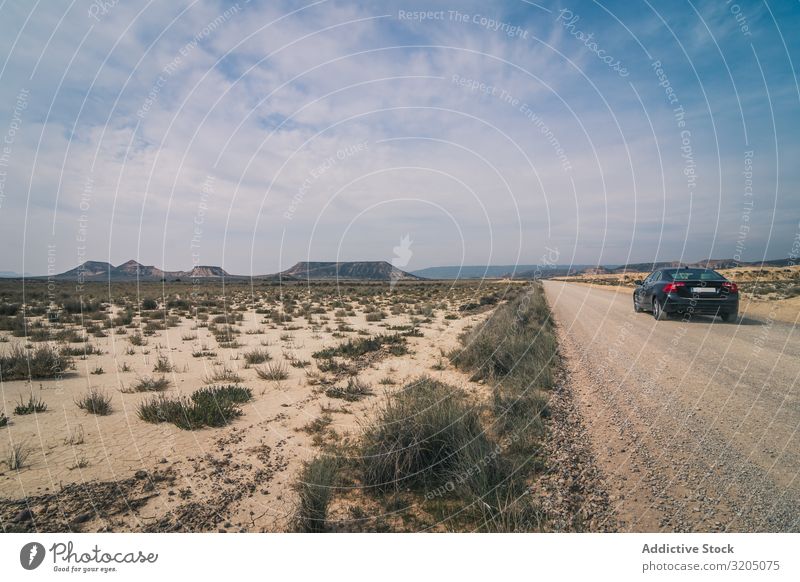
pixel 687 290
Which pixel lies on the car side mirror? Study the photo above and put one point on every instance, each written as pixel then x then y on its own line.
pixel 638 282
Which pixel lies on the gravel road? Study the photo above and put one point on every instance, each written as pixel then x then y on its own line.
pixel 695 425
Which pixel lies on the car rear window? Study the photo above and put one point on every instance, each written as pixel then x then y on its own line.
pixel 693 275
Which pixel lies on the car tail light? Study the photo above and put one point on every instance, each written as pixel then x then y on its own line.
pixel 673 287
pixel 731 287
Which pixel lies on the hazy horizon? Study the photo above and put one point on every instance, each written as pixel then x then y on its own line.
pixel 254 135
pixel 517 267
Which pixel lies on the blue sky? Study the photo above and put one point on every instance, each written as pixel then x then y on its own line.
pixel 255 134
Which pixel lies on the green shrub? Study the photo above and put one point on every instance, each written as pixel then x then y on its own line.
pixel 257 356
pixel 358 347
pixel 336 367
pixel 233 393
pixel 354 390
pixel 521 412
pixel 423 436
pixel 44 361
pixel 273 371
pixel 86 349
pixel 150 384
pixel 7 309
pixel 95 402
pixel 163 365
pixel 32 405
pixel 213 406
pixel 160 408
pixel 315 488
pixel 222 374
pixel 516 341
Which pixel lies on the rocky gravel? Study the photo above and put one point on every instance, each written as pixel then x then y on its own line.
pixel 693 425
pixel 573 491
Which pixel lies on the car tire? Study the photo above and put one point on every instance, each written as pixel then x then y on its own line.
pixel 636 307
pixel 658 310
pixel 726 317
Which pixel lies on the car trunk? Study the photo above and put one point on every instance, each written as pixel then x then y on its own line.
pixel 696 289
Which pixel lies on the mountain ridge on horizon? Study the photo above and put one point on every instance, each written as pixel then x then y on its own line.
pixel 560 270
pixel 357 270
pixel 132 270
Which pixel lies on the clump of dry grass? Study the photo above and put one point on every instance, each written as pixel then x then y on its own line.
pixel 76 436
pixel 354 390
pixel 221 374
pixel 44 361
pixel 517 344
pixel 163 365
pixel 273 371
pixel 214 406
pixel 95 402
pixel 17 456
pixel 149 384
pixel 318 425
pixel 354 348
pixel 33 404
pixel 257 356
pixel 315 489
pixel 422 436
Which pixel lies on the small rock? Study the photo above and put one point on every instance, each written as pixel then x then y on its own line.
pixel 24 515
pixel 83 517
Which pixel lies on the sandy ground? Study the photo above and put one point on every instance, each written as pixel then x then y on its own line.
pixel 234 478
pixel 694 425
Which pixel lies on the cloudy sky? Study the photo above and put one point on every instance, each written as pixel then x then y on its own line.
pixel 252 135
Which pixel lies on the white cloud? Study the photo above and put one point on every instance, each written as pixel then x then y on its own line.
pixel 260 108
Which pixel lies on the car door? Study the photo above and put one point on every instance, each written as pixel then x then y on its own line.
pixel 650 289
pixel 641 293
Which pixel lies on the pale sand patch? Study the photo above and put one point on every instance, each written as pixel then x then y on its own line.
pixel 246 469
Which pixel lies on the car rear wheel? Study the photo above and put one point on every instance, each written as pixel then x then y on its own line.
pixel 728 316
pixel 658 310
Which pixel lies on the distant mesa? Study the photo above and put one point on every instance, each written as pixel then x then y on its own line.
pixel 207 271
pixel 378 271
pixel 353 270
pixel 134 271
